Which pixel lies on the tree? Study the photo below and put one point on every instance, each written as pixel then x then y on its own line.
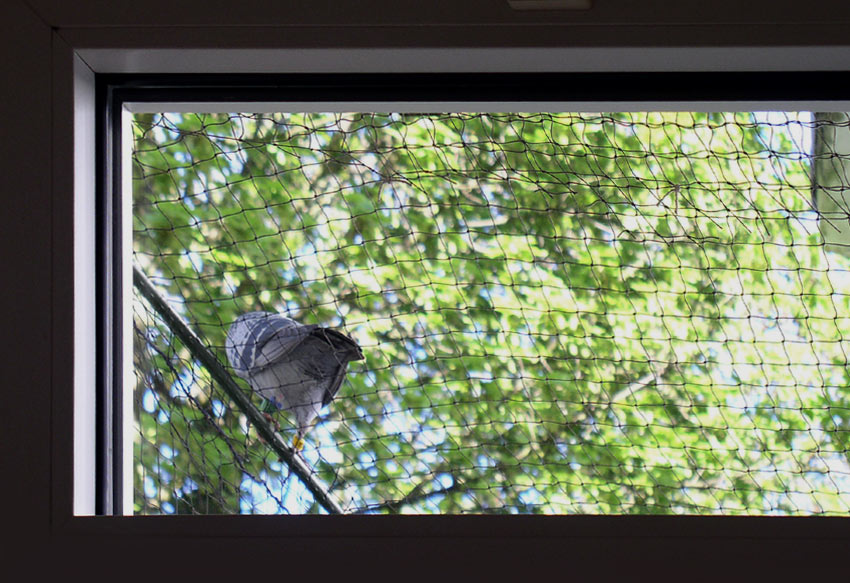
pixel 561 313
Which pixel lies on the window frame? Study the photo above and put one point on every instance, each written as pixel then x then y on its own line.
pixel 118 94
pixel 639 540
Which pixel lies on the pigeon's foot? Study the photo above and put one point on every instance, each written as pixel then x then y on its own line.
pixel 298 442
pixel 273 421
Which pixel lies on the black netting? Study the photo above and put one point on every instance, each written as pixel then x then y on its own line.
pixel 560 313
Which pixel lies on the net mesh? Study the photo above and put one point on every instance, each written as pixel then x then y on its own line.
pixel 559 312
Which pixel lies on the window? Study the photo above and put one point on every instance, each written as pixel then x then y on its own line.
pixel 561 311
pixel 59 53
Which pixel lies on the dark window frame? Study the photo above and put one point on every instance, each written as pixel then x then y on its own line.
pixel 683 540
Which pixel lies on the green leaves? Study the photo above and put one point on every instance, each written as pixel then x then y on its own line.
pixel 563 312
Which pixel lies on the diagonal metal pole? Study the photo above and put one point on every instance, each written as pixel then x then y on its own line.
pixel 220 374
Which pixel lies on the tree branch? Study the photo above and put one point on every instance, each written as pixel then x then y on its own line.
pixel 219 373
pixel 412 497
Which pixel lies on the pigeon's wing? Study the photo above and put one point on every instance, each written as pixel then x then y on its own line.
pixel 278 341
pixel 240 342
pixel 259 339
pixel 336 350
pixel 335 383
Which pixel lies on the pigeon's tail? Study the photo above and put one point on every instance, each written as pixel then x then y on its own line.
pixel 344 348
pixel 338 351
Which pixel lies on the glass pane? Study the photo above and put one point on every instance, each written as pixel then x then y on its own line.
pixel 558 312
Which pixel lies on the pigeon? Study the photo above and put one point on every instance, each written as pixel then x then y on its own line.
pixel 293 366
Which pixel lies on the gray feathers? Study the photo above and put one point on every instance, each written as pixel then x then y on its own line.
pixel 297 367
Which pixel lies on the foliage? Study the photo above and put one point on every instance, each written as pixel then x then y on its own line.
pixel 561 313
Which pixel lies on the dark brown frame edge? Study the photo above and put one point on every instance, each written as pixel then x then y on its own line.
pixel 37 420
pixel 619 543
